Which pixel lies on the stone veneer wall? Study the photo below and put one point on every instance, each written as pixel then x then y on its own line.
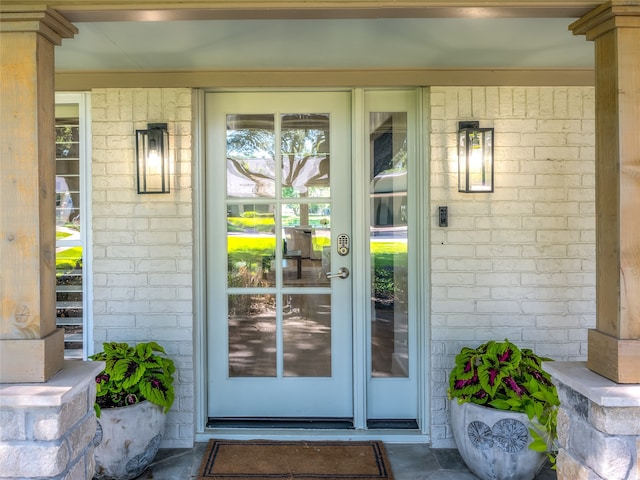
pixel 47 430
pixel 598 425
pixel 143 244
pixel 518 263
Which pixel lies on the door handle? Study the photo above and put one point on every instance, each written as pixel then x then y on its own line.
pixel 343 272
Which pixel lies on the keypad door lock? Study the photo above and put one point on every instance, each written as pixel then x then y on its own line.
pixel 343 244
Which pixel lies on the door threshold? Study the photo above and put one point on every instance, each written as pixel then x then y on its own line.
pixel 282 423
pixel 392 424
pixel 290 434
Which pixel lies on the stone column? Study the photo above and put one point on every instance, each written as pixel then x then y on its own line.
pixel 598 427
pixel 47 430
pixel 31 347
pixel 614 345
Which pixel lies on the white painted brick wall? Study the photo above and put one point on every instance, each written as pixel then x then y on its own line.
pixel 143 243
pixel 517 263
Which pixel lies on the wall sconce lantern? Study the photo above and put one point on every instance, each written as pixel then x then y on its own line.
pixel 475 158
pixel 152 158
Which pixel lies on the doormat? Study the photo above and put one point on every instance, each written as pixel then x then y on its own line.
pixel 262 460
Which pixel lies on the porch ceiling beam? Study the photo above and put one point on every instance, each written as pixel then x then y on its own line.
pixel 83 80
pixel 169 10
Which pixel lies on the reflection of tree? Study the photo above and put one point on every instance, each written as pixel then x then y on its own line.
pixel 389 143
pixel 251 152
pixel 302 161
pixel 251 144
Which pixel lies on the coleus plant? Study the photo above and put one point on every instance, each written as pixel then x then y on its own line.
pixel 502 376
pixel 133 374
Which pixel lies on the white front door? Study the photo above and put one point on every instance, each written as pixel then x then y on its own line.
pixel 278 196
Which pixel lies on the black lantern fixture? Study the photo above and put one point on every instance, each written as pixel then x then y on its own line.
pixel 152 157
pixel 475 158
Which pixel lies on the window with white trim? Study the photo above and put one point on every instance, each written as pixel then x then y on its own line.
pixel 72 252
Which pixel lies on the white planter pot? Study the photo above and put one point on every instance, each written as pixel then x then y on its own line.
pixel 128 439
pixel 494 443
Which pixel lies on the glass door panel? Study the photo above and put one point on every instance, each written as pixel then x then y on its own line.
pixel 305 155
pixel 307 335
pixel 388 244
pixel 252 335
pixel 251 244
pixel 392 385
pixel 278 345
pixel 306 234
pixel 250 156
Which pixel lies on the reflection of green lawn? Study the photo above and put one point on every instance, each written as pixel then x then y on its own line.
pixel 258 246
pixel 267 223
pixel 388 247
pixel 68 259
pixel 259 224
pixel 254 248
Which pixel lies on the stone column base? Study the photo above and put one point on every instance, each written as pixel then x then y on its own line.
pixel 47 429
pixel 598 425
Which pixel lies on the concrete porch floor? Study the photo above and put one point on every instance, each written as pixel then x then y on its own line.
pixel 408 462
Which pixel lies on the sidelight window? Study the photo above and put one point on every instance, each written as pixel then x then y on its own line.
pixel 71 220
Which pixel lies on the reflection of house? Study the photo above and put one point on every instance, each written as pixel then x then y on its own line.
pixel 241 209
pixel 298 239
pixel 389 199
pixel 64 202
pixel 517 263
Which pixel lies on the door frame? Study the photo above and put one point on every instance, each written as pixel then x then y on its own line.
pixel 418 209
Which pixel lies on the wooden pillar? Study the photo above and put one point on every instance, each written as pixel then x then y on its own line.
pixel 31 347
pixel 614 345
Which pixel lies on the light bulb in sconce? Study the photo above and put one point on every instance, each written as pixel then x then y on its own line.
pixel 475 158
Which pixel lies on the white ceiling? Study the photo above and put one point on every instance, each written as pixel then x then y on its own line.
pixel 326 43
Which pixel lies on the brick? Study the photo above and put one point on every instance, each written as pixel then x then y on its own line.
pixel 120 266
pixel 156 293
pixel 463 320
pixel 497 279
pixel 514 265
pixel 496 306
pixel 156 320
pixel 511 236
pixel 129 279
pixel 182 279
pixel 157 237
pixel 544 250
pixel 546 307
pixel 129 306
pixel 468 292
